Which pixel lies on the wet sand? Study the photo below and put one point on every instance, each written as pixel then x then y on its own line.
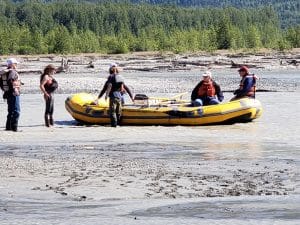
pixel 69 174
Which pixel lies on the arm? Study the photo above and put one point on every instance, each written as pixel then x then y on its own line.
pixel 14 82
pixel 103 90
pixel 128 91
pixel 219 92
pixel 42 86
pixel 109 85
pixel 195 92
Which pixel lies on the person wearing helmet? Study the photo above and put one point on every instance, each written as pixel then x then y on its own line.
pixel 206 92
pixel 247 84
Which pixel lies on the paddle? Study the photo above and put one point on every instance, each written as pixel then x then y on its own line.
pixel 142 99
pixel 175 99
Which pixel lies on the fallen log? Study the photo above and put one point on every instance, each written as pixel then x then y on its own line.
pixel 293 62
pixel 237 65
pixel 30 71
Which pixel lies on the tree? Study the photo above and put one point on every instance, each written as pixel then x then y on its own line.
pixel 253 39
pixel 59 40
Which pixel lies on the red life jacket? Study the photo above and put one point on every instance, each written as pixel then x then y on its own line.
pixel 207 89
pixel 252 90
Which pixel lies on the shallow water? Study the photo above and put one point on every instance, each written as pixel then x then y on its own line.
pixel 269 141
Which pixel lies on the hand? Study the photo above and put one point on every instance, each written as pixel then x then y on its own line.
pixel 46 95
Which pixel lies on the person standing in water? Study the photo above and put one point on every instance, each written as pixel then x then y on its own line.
pixel 48 85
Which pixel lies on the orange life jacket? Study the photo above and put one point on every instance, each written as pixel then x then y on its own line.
pixel 252 90
pixel 207 89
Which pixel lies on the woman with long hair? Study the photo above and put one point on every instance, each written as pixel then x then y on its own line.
pixel 48 85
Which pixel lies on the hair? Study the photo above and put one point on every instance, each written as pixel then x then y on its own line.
pixel 113 70
pixel 47 71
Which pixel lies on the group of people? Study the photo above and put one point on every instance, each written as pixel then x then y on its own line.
pixel 10 84
pixel 206 92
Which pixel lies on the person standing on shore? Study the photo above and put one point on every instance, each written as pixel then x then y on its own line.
pixel 207 92
pixel 114 88
pixel 10 84
pixel 247 84
pixel 48 85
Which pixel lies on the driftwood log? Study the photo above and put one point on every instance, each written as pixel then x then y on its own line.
pixel 64 66
pixel 237 65
pixel 293 62
pixel 30 71
pixel 91 65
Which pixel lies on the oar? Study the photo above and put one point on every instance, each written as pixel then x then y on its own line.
pixel 177 98
pixel 174 98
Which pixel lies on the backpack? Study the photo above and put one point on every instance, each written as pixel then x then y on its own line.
pixel 3 80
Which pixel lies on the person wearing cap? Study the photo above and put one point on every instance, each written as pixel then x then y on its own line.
pixel 207 92
pixel 247 84
pixel 48 85
pixel 10 84
pixel 114 88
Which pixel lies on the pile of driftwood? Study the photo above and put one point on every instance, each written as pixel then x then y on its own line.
pixel 64 67
pixel 156 63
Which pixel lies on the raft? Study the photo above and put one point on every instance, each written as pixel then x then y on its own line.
pixel 163 111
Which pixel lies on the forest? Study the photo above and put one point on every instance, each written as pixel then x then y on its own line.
pixel 288 10
pixel 42 27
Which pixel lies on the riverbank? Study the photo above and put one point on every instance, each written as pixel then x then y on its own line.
pixel 161 61
pixel 70 174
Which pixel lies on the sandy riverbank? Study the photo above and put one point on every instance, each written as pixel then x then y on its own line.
pixel 72 174
pixel 156 61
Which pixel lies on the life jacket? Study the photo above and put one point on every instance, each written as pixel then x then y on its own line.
pixel 252 90
pixel 207 89
pixel 117 82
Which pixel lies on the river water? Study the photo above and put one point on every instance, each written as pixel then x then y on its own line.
pixel 269 144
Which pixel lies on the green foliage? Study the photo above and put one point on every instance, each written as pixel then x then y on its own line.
pixel 38 27
pixel 293 36
pixel 253 38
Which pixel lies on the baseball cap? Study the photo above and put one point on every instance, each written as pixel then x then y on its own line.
pixel 244 68
pixel 112 65
pixel 206 74
pixel 11 61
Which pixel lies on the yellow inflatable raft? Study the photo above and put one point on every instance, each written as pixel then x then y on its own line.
pixel 163 111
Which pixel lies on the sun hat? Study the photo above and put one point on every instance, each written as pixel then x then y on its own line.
pixel 206 74
pixel 50 67
pixel 11 61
